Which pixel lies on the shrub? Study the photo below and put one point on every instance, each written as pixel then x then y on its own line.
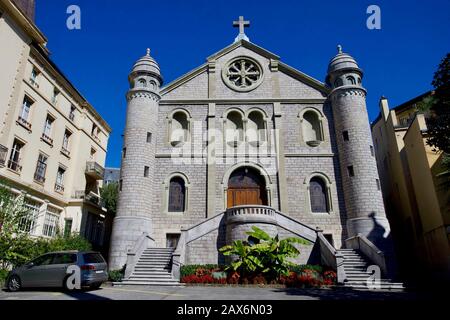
pixel 117 275
pixel 3 275
pixel 262 254
pixel 188 270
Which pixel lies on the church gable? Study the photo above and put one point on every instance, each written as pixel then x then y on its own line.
pixel 244 71
pixel 191 86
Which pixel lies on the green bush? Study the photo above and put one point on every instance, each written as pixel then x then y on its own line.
pixel 117 275
pixel 19 250
pixel 191 269
pixel 3 275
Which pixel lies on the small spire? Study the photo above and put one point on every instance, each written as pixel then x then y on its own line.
pixel 148 52
pixel 339 48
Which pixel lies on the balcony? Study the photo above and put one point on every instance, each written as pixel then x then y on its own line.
pixel 3 154
pixel 47 139
pixel 14 166
pixel 24 123
pixel 88 196
pixel 251 213
pixel 59 188
pixel 65 152
pixel 94 170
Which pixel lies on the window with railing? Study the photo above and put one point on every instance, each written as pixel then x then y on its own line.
pixel 41 168
pixel 34 77
pixel 28 222
pixel 55 96
pixel 14 157
pixel 59 185
pixel 24 114
pixel 46 135
pixel 66 143
pixel 51 222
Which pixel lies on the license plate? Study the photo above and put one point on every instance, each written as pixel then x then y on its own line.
pixel 99 271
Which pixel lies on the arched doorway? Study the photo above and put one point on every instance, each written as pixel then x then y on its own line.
pixel 246 186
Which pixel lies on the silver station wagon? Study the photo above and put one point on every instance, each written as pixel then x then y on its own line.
pixel 50 270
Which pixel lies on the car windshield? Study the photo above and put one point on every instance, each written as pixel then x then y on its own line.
pixel 93 257
pixel 43 260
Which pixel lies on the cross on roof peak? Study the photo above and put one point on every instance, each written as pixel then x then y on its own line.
pixel 241 24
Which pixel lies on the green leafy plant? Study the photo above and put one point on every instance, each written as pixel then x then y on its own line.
pixel 192 269
pixel 110 194
pixel 117 275
pixel 262 254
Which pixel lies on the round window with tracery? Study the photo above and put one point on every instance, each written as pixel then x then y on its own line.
pixel 242 74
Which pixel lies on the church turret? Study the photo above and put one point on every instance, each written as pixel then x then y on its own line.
pixel 137 170
pixel 361 185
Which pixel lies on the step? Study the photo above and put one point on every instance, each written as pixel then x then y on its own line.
pixel 147 276
pixel 148 283
pixel 156 281
pixel 151 272
pixel 151 267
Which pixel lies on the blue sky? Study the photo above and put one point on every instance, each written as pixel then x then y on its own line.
pixel 399 60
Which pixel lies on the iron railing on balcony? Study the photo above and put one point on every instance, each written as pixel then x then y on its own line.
pixel 47 139
pixel 88 196
pixel 3 154
pixel 94 170
pixel 59 188
pixel 65 152
pixel 39 178
pixel 24 123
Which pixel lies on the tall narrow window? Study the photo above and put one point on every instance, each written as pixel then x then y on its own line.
pixel 120 184
pixel 59 185
pixel 378 184
pixel 372 153
pixel 234 130
pixel 72 112
pixel 312 128
pixel 124 153
pixel 149 137
pixel 345 135
pixel 14 158
pixel 146 170
pixel 255 127
pixel 66 142
pixel 179 129
pixel 27 223
pixel 68 227
pixel 51 222
pixel 92 156
pixel 33 77
pixel 318 195
pixel 25 110
pixel 48 126
pixel 41 168
pixel 177 195
pixel 351 171
pixel 55 96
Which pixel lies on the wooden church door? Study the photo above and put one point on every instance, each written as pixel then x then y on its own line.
pixel 246 187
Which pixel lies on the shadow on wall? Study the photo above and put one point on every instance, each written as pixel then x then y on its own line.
pixel 221 240
pixel 376 235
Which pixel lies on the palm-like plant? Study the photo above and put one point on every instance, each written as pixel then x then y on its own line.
pixel 262 254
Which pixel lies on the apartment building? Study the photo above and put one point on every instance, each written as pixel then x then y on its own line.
pixel 52 141
pixel 416 203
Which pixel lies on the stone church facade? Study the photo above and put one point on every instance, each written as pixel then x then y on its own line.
pixel 243 140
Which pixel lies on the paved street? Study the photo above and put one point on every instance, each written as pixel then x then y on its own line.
pixel 210 293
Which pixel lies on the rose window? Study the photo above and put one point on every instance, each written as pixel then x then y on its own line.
pixel 242 74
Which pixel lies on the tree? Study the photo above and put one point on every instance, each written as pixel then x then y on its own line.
pixel 437 107
pixel 110 195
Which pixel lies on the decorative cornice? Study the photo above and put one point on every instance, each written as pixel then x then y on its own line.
pixel 348 91
pixel 132 94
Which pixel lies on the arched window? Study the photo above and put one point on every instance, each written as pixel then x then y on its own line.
pixel 234 128
pixel 318 195
pixel 177 195
pixel 142 83
pixel 351 80
pixel 256 131
pixel 312 128
pixel 179 128
pixel 338 82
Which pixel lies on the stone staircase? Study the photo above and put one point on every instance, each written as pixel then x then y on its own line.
pixel 355 267
pixel 153 269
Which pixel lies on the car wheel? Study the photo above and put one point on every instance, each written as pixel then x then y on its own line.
pixel 14 284
pixel 95 286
